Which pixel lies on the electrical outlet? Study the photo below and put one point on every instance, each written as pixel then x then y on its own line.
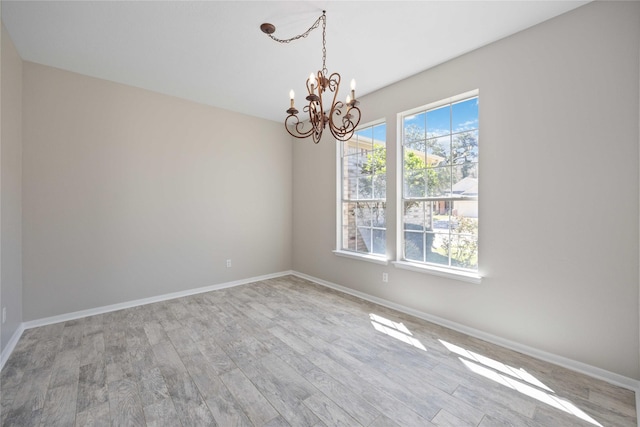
pixel 385 277
pixel 4 314
pixel 228 263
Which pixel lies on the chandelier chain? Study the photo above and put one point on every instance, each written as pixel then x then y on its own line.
pixel 315 25
pixel 324 44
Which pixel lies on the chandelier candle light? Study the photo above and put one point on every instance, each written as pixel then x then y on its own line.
pixel 341 124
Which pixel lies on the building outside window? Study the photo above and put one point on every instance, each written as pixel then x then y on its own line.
pixel 439 212
pixel 363 187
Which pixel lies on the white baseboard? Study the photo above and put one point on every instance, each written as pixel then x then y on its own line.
pixel 8 349
pixel 128 304
pixel 610 377
pixel 592 371
pixel 4 356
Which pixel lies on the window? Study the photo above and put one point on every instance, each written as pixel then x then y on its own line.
pixel 363 189
pixel 439 211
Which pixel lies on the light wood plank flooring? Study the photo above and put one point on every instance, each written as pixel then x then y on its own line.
pixel 286 352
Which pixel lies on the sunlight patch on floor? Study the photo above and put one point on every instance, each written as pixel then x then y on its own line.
pixel 516 379
pixel 396 330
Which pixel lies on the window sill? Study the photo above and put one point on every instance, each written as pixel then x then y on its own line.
pixel 464 276
pixel 376 259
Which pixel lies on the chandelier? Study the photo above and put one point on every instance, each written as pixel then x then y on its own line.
pixel 341 117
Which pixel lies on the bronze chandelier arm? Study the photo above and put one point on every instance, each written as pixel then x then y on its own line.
pixel 289 124
pixel 349 123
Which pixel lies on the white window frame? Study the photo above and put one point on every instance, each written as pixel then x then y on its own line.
pixel 370 257
pixel 401 262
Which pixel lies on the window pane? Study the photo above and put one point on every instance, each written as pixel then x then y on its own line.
pixel 350 147
pixel 414 183
pixel 439 181
pixel 414 127
pixel 414 246
pixel 349 226
pixel 351 188
pixel 364 138
pixel 464 217
pixel 363 239
pixel 465 181
pixel 363 214
pixel 379 241
pixel 365 187
pixel 439 121
pixel 416 147
pixel 377 160
pixel 437 250
pixel 379 215
pixel 439 151
pixel 441 223
pixel 349 238
pixel 380 134
pixel 349 178
pixel 349 166
pixel 464 251
pixel 464 147
pixel 380 186
pixel 365 165
pixel 413 216
pixel 430 215
pixel 365 151
pixel 465 115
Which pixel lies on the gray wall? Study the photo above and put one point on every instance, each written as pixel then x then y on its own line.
pixel 11 184
pixel 130 194
pixel 559 190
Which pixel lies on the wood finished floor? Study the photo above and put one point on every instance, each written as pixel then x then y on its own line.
pixel 286 352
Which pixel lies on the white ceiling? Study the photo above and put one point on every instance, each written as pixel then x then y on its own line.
pixel 213 52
